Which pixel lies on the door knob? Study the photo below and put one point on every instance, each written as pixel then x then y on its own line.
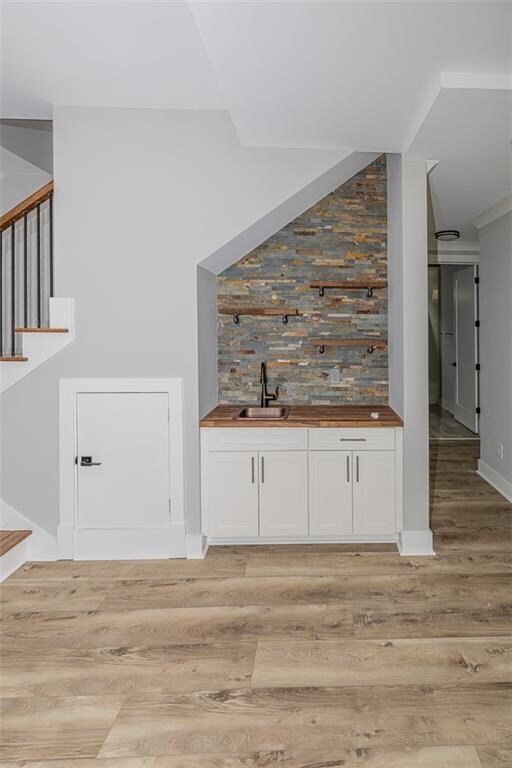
pixel 86 461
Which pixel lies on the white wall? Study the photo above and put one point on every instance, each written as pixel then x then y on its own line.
pixel 30 139
pixel 408 340
pixel 496 346
pixel 142 196
pixel 18 179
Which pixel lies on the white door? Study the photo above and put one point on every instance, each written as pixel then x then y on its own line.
pixel 123 505
pixel 330 493
pixel 232 494
pixel 374 493
pixel 283 493
pixel 466 347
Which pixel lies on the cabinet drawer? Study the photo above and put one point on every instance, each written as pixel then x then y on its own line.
pixel 255 439
pixel 351 439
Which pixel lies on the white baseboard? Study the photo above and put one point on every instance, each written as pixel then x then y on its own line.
pixel 13 559
pixel 255 540
pixel 416 543
pixel 448 405
pixel 197 546
pixel 497 481
pixel 41 545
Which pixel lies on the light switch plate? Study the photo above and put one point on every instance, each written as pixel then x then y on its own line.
pixel 334 376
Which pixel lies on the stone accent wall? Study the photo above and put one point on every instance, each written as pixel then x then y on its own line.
pixel 343 237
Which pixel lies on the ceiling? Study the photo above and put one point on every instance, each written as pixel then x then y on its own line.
pixel 469 131
pixel 364 76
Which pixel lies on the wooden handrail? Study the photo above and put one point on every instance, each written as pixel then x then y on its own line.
pixel 31 202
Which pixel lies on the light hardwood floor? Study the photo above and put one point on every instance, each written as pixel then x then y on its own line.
pixel 298 657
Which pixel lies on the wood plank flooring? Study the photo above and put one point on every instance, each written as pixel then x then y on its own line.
pixel 297 657
pixel 442 426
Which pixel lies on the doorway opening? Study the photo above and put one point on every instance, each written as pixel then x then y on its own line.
pixel 454 352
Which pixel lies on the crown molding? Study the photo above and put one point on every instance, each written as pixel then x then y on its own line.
pixel 496 212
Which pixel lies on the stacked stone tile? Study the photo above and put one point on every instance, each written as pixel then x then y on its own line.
pixel 343 237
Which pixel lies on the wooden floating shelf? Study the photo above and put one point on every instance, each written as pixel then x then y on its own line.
pixel 370 344
pixel 284 312
pixel 322 285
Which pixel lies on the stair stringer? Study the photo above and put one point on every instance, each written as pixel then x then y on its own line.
pixel 40 347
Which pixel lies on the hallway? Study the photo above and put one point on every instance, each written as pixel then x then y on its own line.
pixel 297 656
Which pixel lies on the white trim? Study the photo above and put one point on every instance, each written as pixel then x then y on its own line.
pixel 494 213
pixel 40 347
pixel 416 543
pixel 234 540
pixel 13 559
pixel 157 545
pixel 456 252
pixel 497 481
pixel 41 545
pixel 197 546
pixel 476 81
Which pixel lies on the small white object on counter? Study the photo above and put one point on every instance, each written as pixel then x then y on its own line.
pixel 375 415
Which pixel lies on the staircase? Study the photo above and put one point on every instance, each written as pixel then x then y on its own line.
pixel 13 553
pixel 34 325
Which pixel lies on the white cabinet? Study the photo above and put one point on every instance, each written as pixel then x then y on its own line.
pixel 283 493
pixel 374 493
pixel 330 493
pixel 233 494
pixel 295 484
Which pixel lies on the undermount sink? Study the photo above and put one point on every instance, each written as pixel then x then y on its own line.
pixel 272 412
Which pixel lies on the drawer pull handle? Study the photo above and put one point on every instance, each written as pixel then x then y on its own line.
pixel 357 469
pixel 262 469
pixel 348 469
pixel 252 469
pixel 352 439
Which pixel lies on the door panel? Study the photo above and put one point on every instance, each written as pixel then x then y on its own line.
pixel 466 348
pixel 330 493
pixel 283 493
pixel 374 492
pixel 233 494
pixel 128 434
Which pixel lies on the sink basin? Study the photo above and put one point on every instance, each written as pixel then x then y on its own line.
pixel 264 414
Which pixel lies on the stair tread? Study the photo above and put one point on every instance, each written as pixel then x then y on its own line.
pixel 42 330
pixel 13 359
pixel 9 539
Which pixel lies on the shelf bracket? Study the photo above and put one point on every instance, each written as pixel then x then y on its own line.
pixel 369 292
pixel 236 319
pixel 321 291
pixel 370 349
pixel 285 319
pixel 321 349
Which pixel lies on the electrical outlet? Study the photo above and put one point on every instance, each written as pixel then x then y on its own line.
pixel 500 450
pixel 334 377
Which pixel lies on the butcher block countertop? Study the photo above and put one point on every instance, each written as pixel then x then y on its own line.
pixel 308 416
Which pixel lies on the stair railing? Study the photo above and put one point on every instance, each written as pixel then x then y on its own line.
pixel 26 268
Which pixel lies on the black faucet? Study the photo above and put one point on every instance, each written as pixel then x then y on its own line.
pixel 265 397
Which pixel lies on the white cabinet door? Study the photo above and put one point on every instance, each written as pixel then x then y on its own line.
pixel 330 493
pixel 374 492
pixel 122 476
pixel 232 494
pixel 283 493
pixel 123 460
